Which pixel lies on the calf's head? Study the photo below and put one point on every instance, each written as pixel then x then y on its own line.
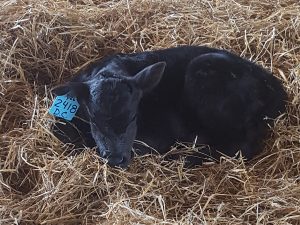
pixel 111 103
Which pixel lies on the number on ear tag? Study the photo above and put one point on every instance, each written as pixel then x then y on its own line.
pixel 64 107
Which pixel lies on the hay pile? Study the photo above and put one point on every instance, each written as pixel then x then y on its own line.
pixel 44 42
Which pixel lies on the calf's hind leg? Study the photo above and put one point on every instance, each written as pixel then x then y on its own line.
pixel 226 101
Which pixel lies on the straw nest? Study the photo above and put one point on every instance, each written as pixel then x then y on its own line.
pixel 44 42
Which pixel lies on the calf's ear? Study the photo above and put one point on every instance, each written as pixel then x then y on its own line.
pixel 78 90
pixel 150 76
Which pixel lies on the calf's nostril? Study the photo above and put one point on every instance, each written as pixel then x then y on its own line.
pixel 122 160
pixel 118 161
pixel 106 154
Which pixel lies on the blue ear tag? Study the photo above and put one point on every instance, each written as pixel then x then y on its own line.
pixel 64 107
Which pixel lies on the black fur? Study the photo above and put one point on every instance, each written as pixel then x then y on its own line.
pixel 172 95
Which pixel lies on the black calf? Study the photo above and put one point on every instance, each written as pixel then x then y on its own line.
pixel 172 95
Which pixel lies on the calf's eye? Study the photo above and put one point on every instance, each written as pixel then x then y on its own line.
pixel 133 118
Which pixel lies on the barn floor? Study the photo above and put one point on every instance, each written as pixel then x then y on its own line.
pixel 43 43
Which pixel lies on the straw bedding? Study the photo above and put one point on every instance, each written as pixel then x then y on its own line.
pixel 43 43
